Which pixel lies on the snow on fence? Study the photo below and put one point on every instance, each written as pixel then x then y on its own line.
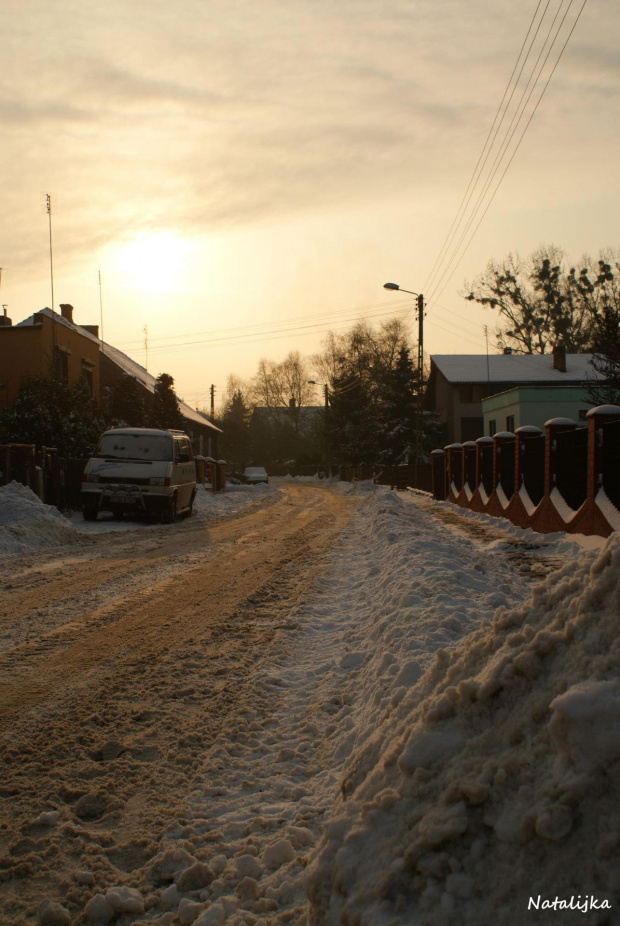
pixel 565 479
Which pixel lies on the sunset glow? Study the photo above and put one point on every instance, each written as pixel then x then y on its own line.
pixel 153 262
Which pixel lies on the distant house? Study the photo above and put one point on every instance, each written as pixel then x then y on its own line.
pixel 458 384
pixel 48 341
pixel 534 405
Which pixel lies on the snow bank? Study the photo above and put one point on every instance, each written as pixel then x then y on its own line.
pixel 27 525
pixel 496 778
pixel 210 505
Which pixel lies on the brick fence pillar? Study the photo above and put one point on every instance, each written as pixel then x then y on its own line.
pixel 553 427
pixel 597 417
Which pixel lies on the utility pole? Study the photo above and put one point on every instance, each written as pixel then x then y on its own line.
pixel 486 335
pixel 212 391
pixel 419 416
pixel 101 312
pixel 146 350
pixel 418 437
pixel 48 200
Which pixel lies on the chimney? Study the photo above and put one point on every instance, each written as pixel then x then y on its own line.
pixel 92 329
pixel 508 351
pixel 559 358
pixel 5 321
pixel 291 403
pixel 66 311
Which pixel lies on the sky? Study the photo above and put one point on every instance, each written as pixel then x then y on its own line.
pixel 246 176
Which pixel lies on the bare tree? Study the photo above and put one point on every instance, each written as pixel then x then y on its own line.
pixel 538 301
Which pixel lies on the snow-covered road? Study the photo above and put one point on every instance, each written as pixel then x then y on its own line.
pixel 185 707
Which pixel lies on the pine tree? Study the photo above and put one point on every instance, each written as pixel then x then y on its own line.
pixel 126 405
pixel 235 440
pixel 49 413
pixel 352 423
pixel 165 411
pixel 397 433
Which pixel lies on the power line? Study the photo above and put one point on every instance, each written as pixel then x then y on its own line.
pixel 451 262
pixel 473 180
pixel 518 145
pixel 254 337
pixel 353 313
pixel 510 131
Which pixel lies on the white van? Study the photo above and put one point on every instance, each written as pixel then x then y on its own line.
pixel 140 470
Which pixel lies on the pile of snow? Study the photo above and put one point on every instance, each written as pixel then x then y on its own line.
pixel 233 498
pixel 496 777
pixel 27 525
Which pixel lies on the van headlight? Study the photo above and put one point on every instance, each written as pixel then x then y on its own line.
pixel 157 481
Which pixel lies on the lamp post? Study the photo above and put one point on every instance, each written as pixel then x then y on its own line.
pixel 313 382
pixel 418 436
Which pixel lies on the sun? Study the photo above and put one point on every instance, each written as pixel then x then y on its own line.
pixel 154 262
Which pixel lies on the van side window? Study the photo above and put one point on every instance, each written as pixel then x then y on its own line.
pixel 182 451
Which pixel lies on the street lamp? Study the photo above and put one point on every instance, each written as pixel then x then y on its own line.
pixel 313 382
pixel 420 300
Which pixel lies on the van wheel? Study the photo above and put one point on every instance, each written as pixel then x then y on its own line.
pixel 169 511
pixel 90 512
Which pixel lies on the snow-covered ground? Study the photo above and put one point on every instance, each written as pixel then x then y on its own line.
pixel 27 525
pixel 439 742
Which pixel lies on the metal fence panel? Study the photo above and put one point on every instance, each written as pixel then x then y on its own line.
pixel 571 466
pixel 611 462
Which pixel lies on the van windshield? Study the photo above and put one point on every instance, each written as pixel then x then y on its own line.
pixel 135 447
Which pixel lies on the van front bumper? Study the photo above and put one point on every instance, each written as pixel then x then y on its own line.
pixel 131 497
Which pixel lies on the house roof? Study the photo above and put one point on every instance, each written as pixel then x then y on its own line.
pixel 305 414
pixel 121 360
pixel 513 368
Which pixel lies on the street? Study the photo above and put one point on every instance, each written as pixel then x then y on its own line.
pixel 185 708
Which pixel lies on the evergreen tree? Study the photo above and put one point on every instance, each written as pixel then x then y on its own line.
pixel 398 407
pixel 165 411
pixel 235 439
pixel 126 404
pixel 49 413
pixel 353 425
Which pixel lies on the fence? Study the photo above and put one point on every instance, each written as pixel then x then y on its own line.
pixel 55 480
pixel 566 479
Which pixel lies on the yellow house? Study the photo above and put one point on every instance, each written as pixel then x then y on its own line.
pixel 47 342
pixel 29 349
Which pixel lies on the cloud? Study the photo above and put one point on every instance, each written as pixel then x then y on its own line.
pixel 209 113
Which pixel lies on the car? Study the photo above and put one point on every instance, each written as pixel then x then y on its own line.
pixel 140 470
pixel 252 475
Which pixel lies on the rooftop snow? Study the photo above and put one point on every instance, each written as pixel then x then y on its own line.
pixel 513 368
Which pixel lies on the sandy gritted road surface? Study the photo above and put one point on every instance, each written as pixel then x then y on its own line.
pixel 135 653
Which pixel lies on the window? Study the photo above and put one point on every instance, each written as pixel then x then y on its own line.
pixel 87 374
pixel 183 450
pixel 510 422
pixel 61 365
pixel 492 427
pixel 466 393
